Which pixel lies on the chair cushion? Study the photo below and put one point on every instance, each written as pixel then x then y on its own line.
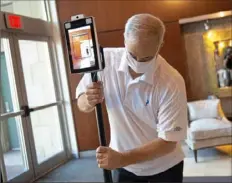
pixel 209 128
pixel 198 144
pixel 203 109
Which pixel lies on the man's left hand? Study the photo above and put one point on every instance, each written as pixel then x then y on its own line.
pixel 109 159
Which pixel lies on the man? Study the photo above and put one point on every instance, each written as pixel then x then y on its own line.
pixel 225 73
pixel 228 62
pixel 228 58
pixel 146 104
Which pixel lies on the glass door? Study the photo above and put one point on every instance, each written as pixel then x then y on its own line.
pixel 15 151
pixel 32 121
pixel 42 101
pixel 36 134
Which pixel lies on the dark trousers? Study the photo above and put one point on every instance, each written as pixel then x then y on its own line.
pixel 174 174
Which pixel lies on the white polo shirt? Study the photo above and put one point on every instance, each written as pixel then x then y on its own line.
pixel 151 106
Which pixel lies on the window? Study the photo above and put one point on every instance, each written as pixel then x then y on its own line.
pixel 34 9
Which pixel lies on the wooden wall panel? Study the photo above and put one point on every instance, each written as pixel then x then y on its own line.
pixel 111 15
pixel 110 18
pixel 111 39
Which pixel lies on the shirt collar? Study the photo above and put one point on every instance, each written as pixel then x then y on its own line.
pixel 148 77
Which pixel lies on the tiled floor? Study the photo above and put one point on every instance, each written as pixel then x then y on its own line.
pixel 211 162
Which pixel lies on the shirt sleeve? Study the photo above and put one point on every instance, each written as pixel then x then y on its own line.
pixel 172 114
pixel 82 86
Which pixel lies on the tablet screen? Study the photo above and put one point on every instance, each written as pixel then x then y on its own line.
pixel 81 45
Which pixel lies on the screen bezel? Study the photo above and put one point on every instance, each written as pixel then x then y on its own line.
pixel 78 24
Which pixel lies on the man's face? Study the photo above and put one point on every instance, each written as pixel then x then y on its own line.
pixel 142 50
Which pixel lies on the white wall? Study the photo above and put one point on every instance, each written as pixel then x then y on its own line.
pixel 7 6
pixel 32 8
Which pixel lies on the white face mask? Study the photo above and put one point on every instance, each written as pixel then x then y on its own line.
pixel 139 67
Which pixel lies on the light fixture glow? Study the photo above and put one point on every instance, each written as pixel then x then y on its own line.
pixel 210 34
pixel 222 14
pixel 221 45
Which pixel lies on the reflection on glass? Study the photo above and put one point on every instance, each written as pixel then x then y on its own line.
pixel 34 9
pixel 37 72
pixel 13 147
pixel 47 133
pixel 9 100
pixel 11 133
pixel 81 47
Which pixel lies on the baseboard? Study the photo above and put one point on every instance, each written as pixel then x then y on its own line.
pixel 84 154
pixel 208 179
pixel 15 149
pixel 74 155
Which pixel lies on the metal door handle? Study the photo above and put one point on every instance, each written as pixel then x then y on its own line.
pixel 26 110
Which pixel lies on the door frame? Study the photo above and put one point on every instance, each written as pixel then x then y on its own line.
pixel 51 30
pixel 24 138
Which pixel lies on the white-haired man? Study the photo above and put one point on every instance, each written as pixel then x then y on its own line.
pixel 146 104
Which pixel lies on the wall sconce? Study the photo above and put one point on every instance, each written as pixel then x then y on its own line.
pixel 221 45
pixel 206 24
pixel 210 35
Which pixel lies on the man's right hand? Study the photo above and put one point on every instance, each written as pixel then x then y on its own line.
pixel 94 93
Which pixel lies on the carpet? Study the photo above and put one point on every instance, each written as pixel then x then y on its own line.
pixel 86 169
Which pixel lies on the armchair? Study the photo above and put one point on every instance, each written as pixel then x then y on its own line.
pixel 208 125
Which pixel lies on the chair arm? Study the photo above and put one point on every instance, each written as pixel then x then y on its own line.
pixel 221 112
pixel 226 119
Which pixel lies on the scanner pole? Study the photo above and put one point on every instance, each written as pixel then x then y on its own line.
pixel 101 130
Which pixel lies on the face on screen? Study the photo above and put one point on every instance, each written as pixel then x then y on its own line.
pixel 81 47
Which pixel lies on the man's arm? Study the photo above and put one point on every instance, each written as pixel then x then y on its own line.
pixel 110 159
pixel 88 94
pixel 149 151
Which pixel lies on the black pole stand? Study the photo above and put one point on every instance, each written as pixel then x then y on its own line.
pixel 101 131
pixel 1 176
pixel 100 124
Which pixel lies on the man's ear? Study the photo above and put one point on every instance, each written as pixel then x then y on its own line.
pixel 124 42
